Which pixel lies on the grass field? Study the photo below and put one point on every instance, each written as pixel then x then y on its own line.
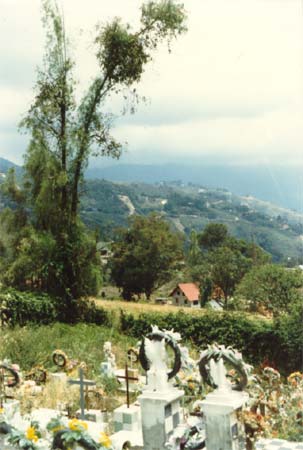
pixel 138 308
pixel 32 345
pixel 144 307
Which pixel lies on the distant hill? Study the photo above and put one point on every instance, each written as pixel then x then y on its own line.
pixel 187 205
pixel 278 230
pixel 282 185
pixel 5 165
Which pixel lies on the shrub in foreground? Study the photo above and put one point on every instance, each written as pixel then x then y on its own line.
pixel 21 308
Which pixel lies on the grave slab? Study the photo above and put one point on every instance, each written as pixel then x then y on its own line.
pixel 277 444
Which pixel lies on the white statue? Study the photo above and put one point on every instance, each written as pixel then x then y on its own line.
pixel 157 379
pixel 109 356
pixel 108 367
pixel 218 373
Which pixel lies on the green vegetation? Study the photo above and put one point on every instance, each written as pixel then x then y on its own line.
pixel 22 308
pixel 45 244
pixel 272 287
pixel 144 255
pixel 29 346
pixel 186 208
pixel 275 343
pixel 221 261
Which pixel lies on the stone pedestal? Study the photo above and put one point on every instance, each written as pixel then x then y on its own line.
pixel 224 429
pixel 127 419
pixel 160 413
pixel 58 377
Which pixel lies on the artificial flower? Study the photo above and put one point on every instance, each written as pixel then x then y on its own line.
pixel 105 440
pixel 31 434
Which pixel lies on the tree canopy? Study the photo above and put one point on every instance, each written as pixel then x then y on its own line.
pixel 223 260
pixel 271 286
pixel 144 255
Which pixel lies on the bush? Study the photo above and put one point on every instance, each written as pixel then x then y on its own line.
pixel 258 340
pixel 289 332
pixel 21 308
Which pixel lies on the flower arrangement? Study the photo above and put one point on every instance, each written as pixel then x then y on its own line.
pixel 276 406
pixel 76 432
pixel 26 440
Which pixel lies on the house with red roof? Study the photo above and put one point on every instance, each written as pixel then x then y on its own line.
pixel 186 294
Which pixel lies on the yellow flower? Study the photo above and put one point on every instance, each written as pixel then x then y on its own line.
pixel 1 410
pixel 295 375
pixel 77 425
pixel 31 434
pixel 56 429
pixel 105 440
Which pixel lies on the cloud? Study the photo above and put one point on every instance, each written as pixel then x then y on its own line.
pixel 232 86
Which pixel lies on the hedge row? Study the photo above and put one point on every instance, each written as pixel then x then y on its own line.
pixel 277 343
pixel 21 308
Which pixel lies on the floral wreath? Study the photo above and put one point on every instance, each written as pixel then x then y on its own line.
pixel 59 358
pixel 170 340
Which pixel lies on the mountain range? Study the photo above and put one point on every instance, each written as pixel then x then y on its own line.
pixel 187 205
pixel 282 185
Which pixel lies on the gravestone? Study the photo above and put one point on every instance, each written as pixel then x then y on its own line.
pixel 222 408
pixel 160 401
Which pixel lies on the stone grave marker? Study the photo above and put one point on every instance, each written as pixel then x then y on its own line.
pixel 160 401
pixel 222 408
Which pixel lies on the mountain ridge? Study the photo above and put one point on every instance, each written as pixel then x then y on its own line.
pixel 281 185
pixel 106 205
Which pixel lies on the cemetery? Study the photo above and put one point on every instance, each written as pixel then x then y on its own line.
pixel 224 370
pixel 165 397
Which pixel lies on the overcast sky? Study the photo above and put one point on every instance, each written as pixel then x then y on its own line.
pixel 230 91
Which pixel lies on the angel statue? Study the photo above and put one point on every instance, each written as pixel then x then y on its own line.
pixel 157 379
pixel 153 357
pixel 109 356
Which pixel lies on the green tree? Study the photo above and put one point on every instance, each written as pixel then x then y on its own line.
pixel 64 133
pixel 226 269
pixel 272 286
pixel 213 235
pixel 223 261
pixel 144 255
pixel 194 252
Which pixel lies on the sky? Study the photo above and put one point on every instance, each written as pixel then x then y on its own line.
pixel 230 91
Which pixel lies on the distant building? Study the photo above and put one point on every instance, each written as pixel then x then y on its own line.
pixel 104 250
pixel 186 294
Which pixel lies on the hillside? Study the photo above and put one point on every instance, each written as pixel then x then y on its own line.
pixel 5 165
pixel 278 230
pixel 107 205
pixel 279 184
